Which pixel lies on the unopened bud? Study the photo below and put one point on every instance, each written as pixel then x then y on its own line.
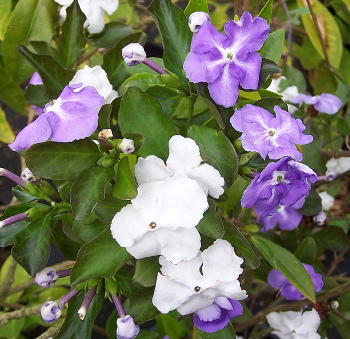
pixel 320 218
pixel 13 219
pixel 331 175
pixel 28 176
pixel 50 311
pixel 46 277
pixel 133 54
pixel 126 328
pixel 334 304
pixel 196 20
pixel 127 146
pixel 105 134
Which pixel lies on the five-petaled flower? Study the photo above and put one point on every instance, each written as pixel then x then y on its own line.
pixel 227 61
pixel 324 103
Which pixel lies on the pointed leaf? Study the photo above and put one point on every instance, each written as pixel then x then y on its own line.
pixel 333 238
pixel 211 224
pixel 266 11
pixel 273 46
pixel 141 308
pixel 196 6
pixel 306 251
pixel 125 184
pixel 146 271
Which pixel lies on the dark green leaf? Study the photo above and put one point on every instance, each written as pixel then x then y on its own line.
pixel 196 6
pixel 140 113
pixel 100 257
pixel 270 103
pixel 273 46
pixel 104 116
pixel 216 150
pixel 227 332
pixel 266 11
pixel 72 41
pixel 333 238
pixel 125 184
pixel 176 35
pixel 89 189
pixel 146 271
pixel 170 325
pixel 241 245
pixel 211 224
pixel 257 162
pixel 284 261
pixel 69 161
pixel 342 325
pixel 312 151
pixel 32 245
pixel 36 95
pixel 306 252
pixel 141 308
pixel 312 205
pixel 268 67
pixel 7 234
pixel 88 230
pixel 44 48
pixel 107 208
pixel 23 195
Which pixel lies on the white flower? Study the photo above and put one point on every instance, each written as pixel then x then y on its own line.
pixel 327 200
pixel 162 220
pixel 133 54
pixel 94 11
pixel 339 165
pixel 126 328
pixel 196 20
pixel 184 158
pixel 97 78
pixel 193 285
pixel 127 146
pixel 295 325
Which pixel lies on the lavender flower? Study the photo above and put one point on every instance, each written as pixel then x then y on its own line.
pixel 46 277
pixel 51 311
pixel 228 61
pixel 216 316
pixel 320 218
pixel 73 115
pixel 126 328
pixel 324 103
pixel 283 182
pixel 287 217
pixel 269 135
pixel 277 280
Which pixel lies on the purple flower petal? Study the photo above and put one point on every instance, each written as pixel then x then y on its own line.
pixel 328 103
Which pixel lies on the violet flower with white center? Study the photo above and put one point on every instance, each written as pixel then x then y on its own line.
pixel 51 311
pixel 337 165
pixel 324 103
pixel 127 146
pixel 97 78
pixel 46 277
pixel 28 176
pixel 277 280
pixel 270 135
pixel 193 285
pixel 295 325
pixel 196 20
pixel 73 115
pixel 126 328
pixel 320 218
pixel 216 316
pixel 161 220
pixel 227 61
pixel 185 159
pixel 283 182
pixel 286 217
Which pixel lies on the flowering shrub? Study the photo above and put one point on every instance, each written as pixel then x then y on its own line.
pixel 199 195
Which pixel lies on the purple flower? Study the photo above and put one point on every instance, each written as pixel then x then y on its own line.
pixel 287 217
pixel 277 280
pixel 324 103
pixel 227 61
pixel 216 316
pixel 73 115
pixel 51 311
pixel 126 328
pixel 270 135
pixel 282 182
pixel 46 277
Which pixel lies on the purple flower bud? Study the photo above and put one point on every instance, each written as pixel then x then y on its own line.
pixel 51 311
pixel 133 54
pixel 46 278
pixel 126 328
pixel 196 20
pixel 15 178
pixel 13 219
pixel 86 303
pixel 331 175
pixel 127 146
pixel 320 218
pixel 28 176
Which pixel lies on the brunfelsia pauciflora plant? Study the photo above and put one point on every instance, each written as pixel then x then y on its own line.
pixel 177 188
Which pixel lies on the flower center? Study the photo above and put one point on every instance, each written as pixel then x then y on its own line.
pixel 278 176
pixel 197 289
pixel 272 132
pixel 230 55
pixel 152 225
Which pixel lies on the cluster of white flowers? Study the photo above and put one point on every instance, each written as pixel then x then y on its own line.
pixel 162 220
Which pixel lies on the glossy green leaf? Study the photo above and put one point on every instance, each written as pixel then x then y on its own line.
pixel 241 245
pixel 100 257
pixel 176 35
pixel 211 224
pixel 141 308
pixel 266 11
pixel 89 189
pixel 7 234
pixel 107 208
pixel 216 150
pixel 227 332
pixel 72 41
pixel 36 95
pixel 273 46
pixel 306 251
pixel 32 245
pixel 330 32
pixel 312 205
pixel 333 238
pixel 146 270
pixel 268 67
pixel 88 230
pixel 6 134
pixel 26 24
pixel 140 113
pixel 284 261
pixel 196 6
pixel 73 327
pixel 125 184
pixel 69 161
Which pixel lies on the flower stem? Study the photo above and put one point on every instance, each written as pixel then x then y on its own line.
pixel 86 302
pixel 151 64
pixel 72 293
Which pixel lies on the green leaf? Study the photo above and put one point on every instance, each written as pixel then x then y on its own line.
pixel 266 11
pixel 101 257
pixel 107 208
pixel 312 205
pixel 333 238
pixel 196 6
pixel 342 325
pixel 284 261
pixel 146 271
pixel 88 230
pixel 268 67
pixel 270 103
pixel 125 184
pixel 26 24
pixel 12 329
pixel 89 189
pixel 329 28
pixel 176 35
pixel 170 325
pixel 73 327
pixel 72 41
pixel 7 234
pixel 227 332
pixel 211 224
pixel 273 46
pixel 32 245
pixel 69 161
pixel 36 95
pixel 241 245
pixel 140 113
pixel 312 151
pixel 54 76
pixel 216 150
pixel 306 252
pixel 6 134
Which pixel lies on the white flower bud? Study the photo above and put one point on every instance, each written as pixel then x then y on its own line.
pixel 50 311
pixel 105 134
pixel 334 304
pixel 196 20
pixel 320 218
pixel 127 146
pixel 133 54
pixel 331 175
pixel 126 328
pixel 46 277
pixel 28 176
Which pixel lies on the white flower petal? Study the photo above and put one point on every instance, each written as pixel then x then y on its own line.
pixel 310 322
pixel 147 246
pixel 110 6
pixel 196 303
